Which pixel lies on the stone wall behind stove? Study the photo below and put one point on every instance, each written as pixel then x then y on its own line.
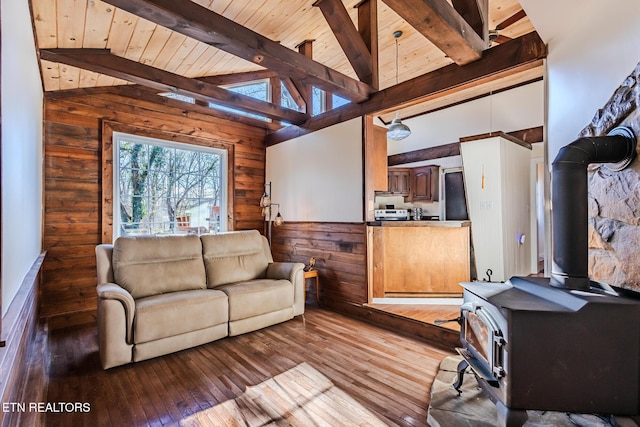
pixel 614 197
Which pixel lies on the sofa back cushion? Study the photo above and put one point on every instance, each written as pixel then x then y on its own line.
pixel 152 265
pixel 235 257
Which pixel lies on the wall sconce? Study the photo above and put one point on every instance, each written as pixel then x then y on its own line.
pixel 267 210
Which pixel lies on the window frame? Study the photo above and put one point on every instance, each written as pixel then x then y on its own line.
pixel 106 176
pixel 119 137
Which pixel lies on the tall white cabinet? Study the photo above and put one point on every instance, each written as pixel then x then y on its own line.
pixel 496 177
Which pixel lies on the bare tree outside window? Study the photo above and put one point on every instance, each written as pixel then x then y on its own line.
pixel 164 189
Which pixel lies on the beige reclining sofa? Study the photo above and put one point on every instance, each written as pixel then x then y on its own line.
pixel 158 295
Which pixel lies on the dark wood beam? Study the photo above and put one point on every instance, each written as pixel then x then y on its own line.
pixel 101 61
pixel 511 20
pixel 148 94
pixel 525 136
pixel 368 29
pixel 198 22
pixel 234 78
pixel 425 154
pixel 476 13
pixel 348 37
pixel 438 21
pixel 295 93
pixel 305 90
pixel 517 55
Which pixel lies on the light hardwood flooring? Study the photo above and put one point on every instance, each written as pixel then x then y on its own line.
pixel 329 370
pixel 425 313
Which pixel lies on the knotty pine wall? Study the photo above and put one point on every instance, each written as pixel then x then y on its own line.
pixel 72 185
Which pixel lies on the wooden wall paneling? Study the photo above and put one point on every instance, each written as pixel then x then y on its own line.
pixel 340 253
pixel 20 324
pixel 75 128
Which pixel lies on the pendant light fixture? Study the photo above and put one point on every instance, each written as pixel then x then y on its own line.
pixel 397 130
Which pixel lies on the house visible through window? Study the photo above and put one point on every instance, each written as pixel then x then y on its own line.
pixel 164 187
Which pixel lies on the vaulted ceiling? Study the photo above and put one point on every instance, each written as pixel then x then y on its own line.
pixel 448 51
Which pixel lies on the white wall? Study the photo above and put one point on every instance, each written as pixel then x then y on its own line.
pixel 516 109
pixel 318 177
pixel 593 47
pixel 21 149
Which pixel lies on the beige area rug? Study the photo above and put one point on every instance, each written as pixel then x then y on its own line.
pixel 301 396
pixel 473 409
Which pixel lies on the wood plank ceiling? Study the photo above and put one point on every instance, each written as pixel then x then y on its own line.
pixel 180 47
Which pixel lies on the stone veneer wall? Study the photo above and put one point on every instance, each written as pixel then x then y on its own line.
pixel 614 197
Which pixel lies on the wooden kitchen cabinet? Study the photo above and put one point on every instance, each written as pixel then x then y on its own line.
pixel 399 181
pixel 418 259
pixel 425 183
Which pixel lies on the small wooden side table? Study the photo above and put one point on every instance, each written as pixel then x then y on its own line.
pixel 310 275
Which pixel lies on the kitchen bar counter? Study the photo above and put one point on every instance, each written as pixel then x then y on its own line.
pixel 417 258
pixel 414 223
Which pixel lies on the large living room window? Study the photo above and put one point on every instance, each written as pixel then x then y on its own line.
pixel 164 187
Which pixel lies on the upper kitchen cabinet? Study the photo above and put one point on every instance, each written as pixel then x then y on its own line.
pixel 399 180
pixel 425 182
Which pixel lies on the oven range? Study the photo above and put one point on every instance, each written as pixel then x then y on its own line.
pixel 391 214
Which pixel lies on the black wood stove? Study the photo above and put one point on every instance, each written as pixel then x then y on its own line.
pixel 563 343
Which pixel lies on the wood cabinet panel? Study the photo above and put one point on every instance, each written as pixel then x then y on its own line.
pixel 425 182
pixel 399 181
pixel 419 260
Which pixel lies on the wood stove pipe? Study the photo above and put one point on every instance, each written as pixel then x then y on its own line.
pixel 570 202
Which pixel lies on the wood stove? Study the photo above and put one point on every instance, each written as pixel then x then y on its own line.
pixel 563 343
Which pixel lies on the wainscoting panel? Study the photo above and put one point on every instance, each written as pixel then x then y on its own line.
pixel 340 253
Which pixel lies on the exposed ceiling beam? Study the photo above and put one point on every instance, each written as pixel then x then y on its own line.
pixel 305 90
pixel 368 29
pixel 348 37
pixel 511 20
pixel 530 136
pixel 229 79
pixel 101 61
pixel 476 13
pixel 148 94
pixel 198 22
pixel 295 94
pixel 438 21
pixel 517 55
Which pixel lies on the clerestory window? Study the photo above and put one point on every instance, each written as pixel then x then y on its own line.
pixel 165 187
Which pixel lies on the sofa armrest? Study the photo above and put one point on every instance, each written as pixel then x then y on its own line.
pixel 294 272
pixel 112 291
pixel 284 270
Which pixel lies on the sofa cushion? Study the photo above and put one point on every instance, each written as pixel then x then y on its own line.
pixel 152 265
pixel 235 257
pixel 256 297
pixel 176 313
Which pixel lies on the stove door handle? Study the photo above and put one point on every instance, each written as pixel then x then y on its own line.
pixel 443 321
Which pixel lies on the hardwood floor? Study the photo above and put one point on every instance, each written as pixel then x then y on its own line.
pixel 328 370
pixel 424 313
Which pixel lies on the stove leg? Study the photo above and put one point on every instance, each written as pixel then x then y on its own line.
pixel 462 367
pixel 508 417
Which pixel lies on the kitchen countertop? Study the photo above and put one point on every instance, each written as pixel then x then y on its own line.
pixel 414 223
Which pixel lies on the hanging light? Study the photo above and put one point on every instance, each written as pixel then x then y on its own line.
pixel 397 130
